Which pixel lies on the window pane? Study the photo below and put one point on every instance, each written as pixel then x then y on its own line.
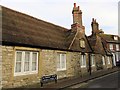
pixel 18 61
pixel 82 43
pixel 115 38
pixel 26 66
pixel 18 67
pixel 92 58
pixel 34 61
pixel 27 56
pixel 84 59
pixel 62 61
pixel 58 61
pixel 33 66
pixel 111 47
pixel 19 56
pixel 81 60
pixel 103 60
pixel 117 56
pixel 108 60
pixel 34 57
pixel 27 61
pixel 117 47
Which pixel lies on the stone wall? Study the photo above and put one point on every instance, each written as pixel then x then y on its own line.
pixel 8 78
pixel 47 64
pixel 111 63
pixel 0 67
pixel 99 63
pixel 73 64
pixel 7 65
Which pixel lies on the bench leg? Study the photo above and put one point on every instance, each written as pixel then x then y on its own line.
pixel 55 80
pixel 41 84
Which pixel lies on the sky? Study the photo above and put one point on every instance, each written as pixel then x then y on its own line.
pixel 119 18
pixel 59 12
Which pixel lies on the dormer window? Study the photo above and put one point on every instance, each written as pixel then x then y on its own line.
pixel 82 43
pixel 115 38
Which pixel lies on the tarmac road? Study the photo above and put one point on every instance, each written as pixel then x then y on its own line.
pixel 108 81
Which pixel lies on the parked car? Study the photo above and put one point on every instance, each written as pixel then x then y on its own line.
pixel 118 63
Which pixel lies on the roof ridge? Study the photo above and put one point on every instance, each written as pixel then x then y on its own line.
pixel 109 34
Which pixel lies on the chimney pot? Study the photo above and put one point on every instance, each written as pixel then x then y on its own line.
pixel 78 7
pixel 74 4
pixel 93 19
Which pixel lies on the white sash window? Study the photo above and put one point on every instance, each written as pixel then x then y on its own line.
pixel 92 60
pixel 83 61
pixel 26 62
pixel 61 62
pixel 108 59
pixel 117 47
pixel 111 46
pixel 103 60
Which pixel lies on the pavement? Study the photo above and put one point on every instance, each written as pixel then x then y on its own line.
pixel 64 83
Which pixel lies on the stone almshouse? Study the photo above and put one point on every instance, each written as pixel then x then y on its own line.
pixel 32 48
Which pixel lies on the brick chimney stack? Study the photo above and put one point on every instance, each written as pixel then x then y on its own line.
pixel 77 15
pixel 95 26
pixel 77 21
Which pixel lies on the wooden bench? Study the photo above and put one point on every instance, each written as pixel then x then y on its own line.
pixel 48 78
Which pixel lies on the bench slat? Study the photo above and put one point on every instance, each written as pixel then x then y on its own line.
pixel 48 78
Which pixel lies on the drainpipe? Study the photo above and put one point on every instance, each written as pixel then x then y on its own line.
pixel 89 60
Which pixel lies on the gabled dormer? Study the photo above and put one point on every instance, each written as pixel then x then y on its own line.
pixel 79 41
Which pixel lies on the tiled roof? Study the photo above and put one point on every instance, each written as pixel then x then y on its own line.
pixel 96 44
pixel 109 38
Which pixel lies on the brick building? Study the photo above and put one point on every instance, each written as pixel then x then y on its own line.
pixel 101 53
pixel 32 48
pixel 112 42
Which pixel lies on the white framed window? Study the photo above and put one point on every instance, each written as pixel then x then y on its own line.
pixel 103 60
pixel 82 43
pixel 111 46
pixel 115 38
pixel 117 56
pixel 92 60
pixel 83 61
pixel 108 60
pixel 117 47
pixel 26 62
pixel 61 62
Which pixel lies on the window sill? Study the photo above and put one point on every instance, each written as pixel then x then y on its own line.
pixel 25 73
pixel 61 69
pixel 93 66
pixel 83 47
pixel 83 66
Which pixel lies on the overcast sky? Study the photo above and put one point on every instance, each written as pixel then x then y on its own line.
pixel 59 12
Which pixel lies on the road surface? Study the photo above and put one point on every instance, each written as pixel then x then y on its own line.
pixel 108 81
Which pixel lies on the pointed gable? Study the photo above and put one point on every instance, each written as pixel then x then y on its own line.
pixel 96 44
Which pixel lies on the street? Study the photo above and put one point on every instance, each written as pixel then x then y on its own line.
pixel 108 81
